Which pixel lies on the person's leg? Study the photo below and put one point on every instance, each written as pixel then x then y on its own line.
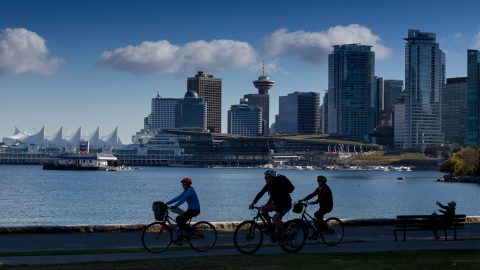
pixel 277 218
pixel 320 223
pixel 183 218
pixel 265 210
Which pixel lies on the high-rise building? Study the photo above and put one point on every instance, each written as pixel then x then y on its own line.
pixel 351 109
pixel 299 113
pixel 473 96
pixel 392 92
pixel 454 110
pixel 191 112
pixel 262 99
pixel 245 119
pixel 378 100
pixel 424 79
pixel 399 125
pixel 162 114
pixel 324 112
pixel 210 89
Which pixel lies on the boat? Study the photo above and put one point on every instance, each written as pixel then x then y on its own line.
pixel 401 178
pixel 84 162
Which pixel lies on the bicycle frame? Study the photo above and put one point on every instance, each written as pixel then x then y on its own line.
pixel 171 222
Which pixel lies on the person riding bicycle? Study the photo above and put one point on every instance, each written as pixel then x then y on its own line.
pixel 325 199
pixel 280 202
pixel 190 196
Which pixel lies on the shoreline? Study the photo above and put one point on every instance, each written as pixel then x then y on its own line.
pixel 219 225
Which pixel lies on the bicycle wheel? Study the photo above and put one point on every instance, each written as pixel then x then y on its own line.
pixel 203 236
pixel 293 236
pixel 156 237
pixel 248 237
pixel 334 235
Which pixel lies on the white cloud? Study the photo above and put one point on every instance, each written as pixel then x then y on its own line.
pixel 163 57
pixel 458 37
pixel 314 47
pixel 476 41
pixel 23 51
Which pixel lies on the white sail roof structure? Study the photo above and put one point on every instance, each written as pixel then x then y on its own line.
pixel 94 139
pixel 56 139
pixel 18 136
pixel 74 138
pixel 112 139
pixel 37 138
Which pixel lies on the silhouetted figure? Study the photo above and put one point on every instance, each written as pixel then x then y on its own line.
pixel 446 219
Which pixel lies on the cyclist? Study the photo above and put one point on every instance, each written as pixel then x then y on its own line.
pixel 325 199
pixel 190 196
pixel 280 202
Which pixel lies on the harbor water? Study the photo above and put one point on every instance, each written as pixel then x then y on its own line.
pixel 32 196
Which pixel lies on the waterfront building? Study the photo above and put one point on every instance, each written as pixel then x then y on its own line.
pixel 351 109
pixel 424 80
pixel 191 112
pixel 473 111
pixel 245 119
pixel 262 99
pixel 392 93
pixel 210 89
pixel 399 125
pixel 299 113
pixel 324 112
pixel 162 114
pixel 378 100
pixel 454 104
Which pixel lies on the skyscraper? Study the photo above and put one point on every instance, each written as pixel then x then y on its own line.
pixel 191 112
pixel 299 113
pixel 392 90
pixel 473 96
pixel 351 108
pixel 454 104
pixel 245 119
pixel 162 114
pixel 262 99
pixel 210 89
pixel 424 79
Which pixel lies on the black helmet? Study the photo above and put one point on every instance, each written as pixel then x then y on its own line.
pixel 270 173
pixel 321 178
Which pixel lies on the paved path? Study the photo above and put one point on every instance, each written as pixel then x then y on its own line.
pixel 357 239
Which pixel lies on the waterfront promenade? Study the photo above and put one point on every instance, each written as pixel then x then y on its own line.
pixel 117 243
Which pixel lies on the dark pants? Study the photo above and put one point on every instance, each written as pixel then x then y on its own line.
pixel 183 218
pixel 319 216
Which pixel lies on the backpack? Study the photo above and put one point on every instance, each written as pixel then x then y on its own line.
pixel 287 185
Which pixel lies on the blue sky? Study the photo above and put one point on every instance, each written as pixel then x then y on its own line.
pixel 98 63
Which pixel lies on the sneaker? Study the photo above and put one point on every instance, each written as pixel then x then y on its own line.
pixel 314 236
pixel 177 241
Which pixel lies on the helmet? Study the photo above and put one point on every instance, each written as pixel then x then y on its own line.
pixel 270 173
pixel 321 178
pixel 452 204
pixel 186 180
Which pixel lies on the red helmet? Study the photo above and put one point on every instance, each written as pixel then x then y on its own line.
pixel 186 180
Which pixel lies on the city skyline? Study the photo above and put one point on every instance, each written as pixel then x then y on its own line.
pixel 99 64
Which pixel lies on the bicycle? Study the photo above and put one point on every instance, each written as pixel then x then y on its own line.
pixel 331 236
pixel 248 235
pixel 157 236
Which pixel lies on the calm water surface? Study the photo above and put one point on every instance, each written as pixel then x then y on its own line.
pixel 32 196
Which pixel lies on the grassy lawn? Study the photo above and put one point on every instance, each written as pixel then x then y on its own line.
pixel 454 259
pixel 380 157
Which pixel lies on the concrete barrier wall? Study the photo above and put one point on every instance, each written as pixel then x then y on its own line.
pixel 221 226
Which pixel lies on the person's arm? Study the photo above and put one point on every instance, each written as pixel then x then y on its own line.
pixel 176 198
pixel 259 195
pixel 187 194
pixel 442 206
pixel 310 196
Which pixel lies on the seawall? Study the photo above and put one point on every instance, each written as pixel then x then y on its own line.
pixel 221 226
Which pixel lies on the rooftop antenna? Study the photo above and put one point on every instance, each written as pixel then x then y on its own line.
pixel 263 67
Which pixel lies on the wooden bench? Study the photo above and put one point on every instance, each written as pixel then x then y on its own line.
pixel 406 223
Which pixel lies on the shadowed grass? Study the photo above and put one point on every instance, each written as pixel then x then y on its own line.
pixel 452 259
